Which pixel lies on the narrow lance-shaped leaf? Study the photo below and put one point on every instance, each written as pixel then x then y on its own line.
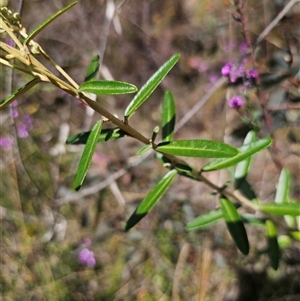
pixel 87 155
pixel 18 93
pixel 92 69
pixel 235 225
pixel 283 186
pixel 154 133
pixel 151 199
pixel 107 87
pixel 204 220
pixel 295 234
pixel 143 150
pixel 292 209
pixel 244 152
pixel 242 167
pixel 105 135
pixel 197 148
pixel 147 89
pixel 282 191
pixel 47 22
pixel 273 246
pixel 168 116
pixel 284 241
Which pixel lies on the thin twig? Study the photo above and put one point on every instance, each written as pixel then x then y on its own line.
pixel 113 177
pixel 220 82
pixel 276 20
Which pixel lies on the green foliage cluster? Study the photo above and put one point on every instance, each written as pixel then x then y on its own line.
pixel 235 207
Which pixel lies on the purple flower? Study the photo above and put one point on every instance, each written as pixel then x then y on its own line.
pixel 236 102
pixel 22 130
pixel 226 70
pixel 253 73
pixel 25 127
pixel 6 142
pixel 14 103
pixel 86 257
pixel 14 113
pixel 27 120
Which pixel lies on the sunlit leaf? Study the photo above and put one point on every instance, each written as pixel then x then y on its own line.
pixel 282 191
pixel 197 148
pixel 295 234
pixel 242 167
pixel 245 151
pixel 154 133
pixel 143 150
pixel 168 116
pixel 273 247
pixel 105 135
pixel 292 209
pixel 107 87
pixel 151 199
pixel 284 241
pixel 18 93
pixel 235 225
pixel 92 69
pixel 47 22
pixel 87 155
pixel 283 186
pixel 148 88
pixel 204 220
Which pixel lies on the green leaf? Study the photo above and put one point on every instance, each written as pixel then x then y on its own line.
pixel 154 133
pixel 284 241
pixel 107 87
pixel 151 199
pixel 235 225
pixel 47 22
pixel 242 167
pixel 270 229
pixel 92 69
pixel 168 116
pixel 273 246
pixel 204 220
pixel 253 219
pixel 245 188
pixel 197 148
pixel 87 155
pixel 295 234
pixel 143 150
pixel 245 151
pixel 18 93
pixel 105 135
pixel 283 187
pixel 145 92
pixel 292 209
pixel 183 167
pixel 281 197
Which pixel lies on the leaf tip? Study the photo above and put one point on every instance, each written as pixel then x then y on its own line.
pixel 77 187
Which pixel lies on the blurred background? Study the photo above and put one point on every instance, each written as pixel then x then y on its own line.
pixel 45 225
